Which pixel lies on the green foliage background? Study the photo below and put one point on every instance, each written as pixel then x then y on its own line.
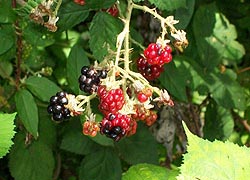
pixel 213 73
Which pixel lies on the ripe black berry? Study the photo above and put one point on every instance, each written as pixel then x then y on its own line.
pixel 89 80
pixel 56 107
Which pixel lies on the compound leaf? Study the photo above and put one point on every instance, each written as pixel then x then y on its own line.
pixel 6 132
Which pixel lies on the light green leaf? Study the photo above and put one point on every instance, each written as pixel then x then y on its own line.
pixel 139 148
pixel 103 40
pixel 42 87
pixel 215 39
pixel 76 60
pixel 71 14
pixel 6 132
pixel 176 85
pixel 214 160
pixel 99 165
pixel 168 5
pixel 27 111
pixel 149 172
pixel 32 162
pixel 219 122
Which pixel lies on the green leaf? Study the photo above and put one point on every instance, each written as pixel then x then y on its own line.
pixel 31 162
pixel 149 172
pixel 214 160
pixel 219 122
pixel 176 85
pixel 42 87
pixel 75 142
pixel 101 165
pixel 6 132
pixel 7 39
pixel 99 4
pixel 168 5
pixel 47 128
pixel 6 68
pixel 101 40
pixel 226 90
pixel 7 14
pixel 37 36
pixel 184 14
pixel 103 140
pixel 136 1
pixel 27 111
pixel 215 39
pixel 77 59
pixel 70 15
pixel 139 148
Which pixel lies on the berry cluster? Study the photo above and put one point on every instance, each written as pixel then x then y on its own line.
pixel 113 10
pixel 149 71
pixel 90 79
pixel 144 114
pixel 90 128
pixel 116 125
pixel 110 101
pixel 57 107
pixel 155 56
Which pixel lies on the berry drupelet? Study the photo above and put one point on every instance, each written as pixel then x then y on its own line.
pixel 56 107
pixel 90 79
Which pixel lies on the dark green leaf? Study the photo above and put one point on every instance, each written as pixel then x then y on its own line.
pixel 47 128
pixel 139 148
pixel 27 111
pixel 138 1
pixel 100 165
pixel 42 87
pixel 37 36
pixel 184 14
pixel 74 141
pixel 168 5
pixel 219 122
pixel 101 40
pixel 5 69
pixel 149 172
pixel 71 14
pixel 7 14
pixel 176 85
pixel 77 59
pixel 99 4
pixel 32 162
pixel 103 140
pixel 215 39
pixel 7 39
